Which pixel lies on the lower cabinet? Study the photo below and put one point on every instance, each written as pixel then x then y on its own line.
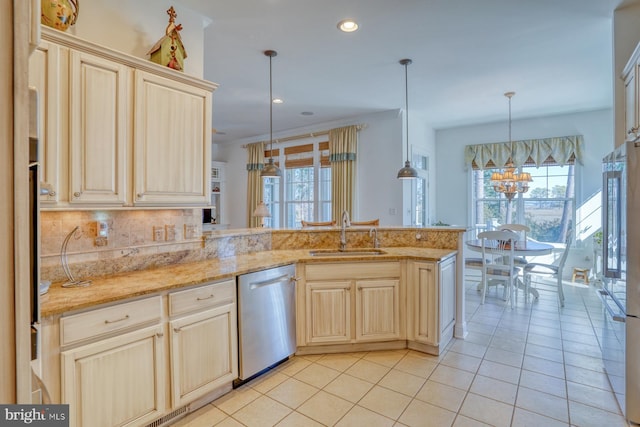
pixel 431 301
pixel 119 369
pixel 351 302
pixel 203 353
pixel 117 381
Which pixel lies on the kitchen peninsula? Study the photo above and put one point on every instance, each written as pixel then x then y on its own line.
pixel 148 323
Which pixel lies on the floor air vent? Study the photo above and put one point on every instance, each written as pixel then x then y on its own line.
pixel 169 417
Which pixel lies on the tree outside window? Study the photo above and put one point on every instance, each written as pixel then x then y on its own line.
pixel 547 208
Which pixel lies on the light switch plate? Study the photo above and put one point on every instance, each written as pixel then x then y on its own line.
pixel 158 233
pixel 190 231
pixel 170 232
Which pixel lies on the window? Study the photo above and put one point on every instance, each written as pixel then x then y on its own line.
pixel 419 188
pixel 546 208
pixel 305 186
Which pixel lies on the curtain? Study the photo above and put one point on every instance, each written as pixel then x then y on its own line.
pixel 561 151
pixel 255 163
pixel 342 155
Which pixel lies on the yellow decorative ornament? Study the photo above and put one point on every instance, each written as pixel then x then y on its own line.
pixel 59 14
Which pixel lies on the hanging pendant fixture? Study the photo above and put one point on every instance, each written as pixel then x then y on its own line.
pixel 407 172
pixel 509 182
pixel 270 170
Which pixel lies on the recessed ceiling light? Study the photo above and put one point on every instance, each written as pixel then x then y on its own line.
pixel 307 113
pixel 347 25
pixel 278 101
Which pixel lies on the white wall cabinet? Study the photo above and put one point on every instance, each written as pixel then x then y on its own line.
pixel 118 130
pixel 351 303
pixel 431 302
pixel 203 344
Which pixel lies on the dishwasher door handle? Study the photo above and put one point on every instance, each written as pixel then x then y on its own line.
pixel 269 282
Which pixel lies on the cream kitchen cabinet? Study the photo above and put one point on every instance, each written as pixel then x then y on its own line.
pixel 431 304
pixel 351 302
pixel 45 77
pixel 630 75
pixel 172 144
pixel 99 129
pixel 119 131
pixel 117 380
pixel 203 340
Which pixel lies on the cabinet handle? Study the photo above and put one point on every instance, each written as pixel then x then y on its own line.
pixel 159 334
pixel 177 330
pixel 138 196
pixel 205 298
pixel 52 193
pixel 106 322
pixel 77 194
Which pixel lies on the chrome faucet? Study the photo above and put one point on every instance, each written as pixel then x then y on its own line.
pixel 346 222
pixel 373 232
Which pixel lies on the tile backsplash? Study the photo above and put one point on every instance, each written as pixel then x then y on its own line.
pixel 136 239
pixel 142 239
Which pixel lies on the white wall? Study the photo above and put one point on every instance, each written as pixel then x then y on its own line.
pixel 452 176
pixel 380 157
pixel 133 27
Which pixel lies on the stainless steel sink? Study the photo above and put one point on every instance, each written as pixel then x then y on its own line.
pixel 347 252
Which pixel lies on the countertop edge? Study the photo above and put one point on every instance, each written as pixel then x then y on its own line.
pixel 136 284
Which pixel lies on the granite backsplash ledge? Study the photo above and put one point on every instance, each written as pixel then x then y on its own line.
pixel 131 244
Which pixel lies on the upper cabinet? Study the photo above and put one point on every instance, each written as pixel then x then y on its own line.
pixel 172 144
pixel 630 75
pixel 98 129
pixel 119 131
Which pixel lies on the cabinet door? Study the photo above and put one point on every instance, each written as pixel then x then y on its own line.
pixel 45 76
pixel 203 353
pixel 631 104
pixel 425 299
pixel 447 286
pixel 99 129
pixel 328 312
pixel 118 381
pixel 377 309
pixel 172 142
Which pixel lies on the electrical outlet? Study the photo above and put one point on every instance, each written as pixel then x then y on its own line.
pixel 170 232
pixel 190 231
pixel 158 233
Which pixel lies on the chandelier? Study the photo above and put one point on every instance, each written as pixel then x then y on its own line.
pixel 509 182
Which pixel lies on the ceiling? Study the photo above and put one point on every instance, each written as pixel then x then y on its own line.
pixel 555 54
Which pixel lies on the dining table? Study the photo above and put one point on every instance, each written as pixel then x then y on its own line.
pixel 523 248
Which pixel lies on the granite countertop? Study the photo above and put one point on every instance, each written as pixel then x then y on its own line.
pixel 134 284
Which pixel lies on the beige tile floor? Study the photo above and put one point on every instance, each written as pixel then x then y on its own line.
pixel 533 365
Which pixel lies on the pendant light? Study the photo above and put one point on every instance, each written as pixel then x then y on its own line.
pixel 407 172
pixel 270 170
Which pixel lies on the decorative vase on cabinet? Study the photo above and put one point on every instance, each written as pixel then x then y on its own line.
pixel 59 14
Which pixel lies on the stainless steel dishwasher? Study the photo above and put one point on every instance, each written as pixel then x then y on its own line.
pixel 266 319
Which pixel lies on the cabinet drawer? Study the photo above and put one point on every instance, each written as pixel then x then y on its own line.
pixel 202 297
pixel 346 270
pixel 93 323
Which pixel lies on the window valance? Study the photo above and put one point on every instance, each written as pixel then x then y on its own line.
pixel 561 151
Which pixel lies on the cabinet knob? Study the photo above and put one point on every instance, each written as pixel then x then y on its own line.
pixel 138 196
pixel 52 193
pixel 77 194
pixel 159 335
pixel 177 330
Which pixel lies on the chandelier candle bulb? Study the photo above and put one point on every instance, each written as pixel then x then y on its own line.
pixel 509 182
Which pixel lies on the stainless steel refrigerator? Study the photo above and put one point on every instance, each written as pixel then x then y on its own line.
pixel 621 275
